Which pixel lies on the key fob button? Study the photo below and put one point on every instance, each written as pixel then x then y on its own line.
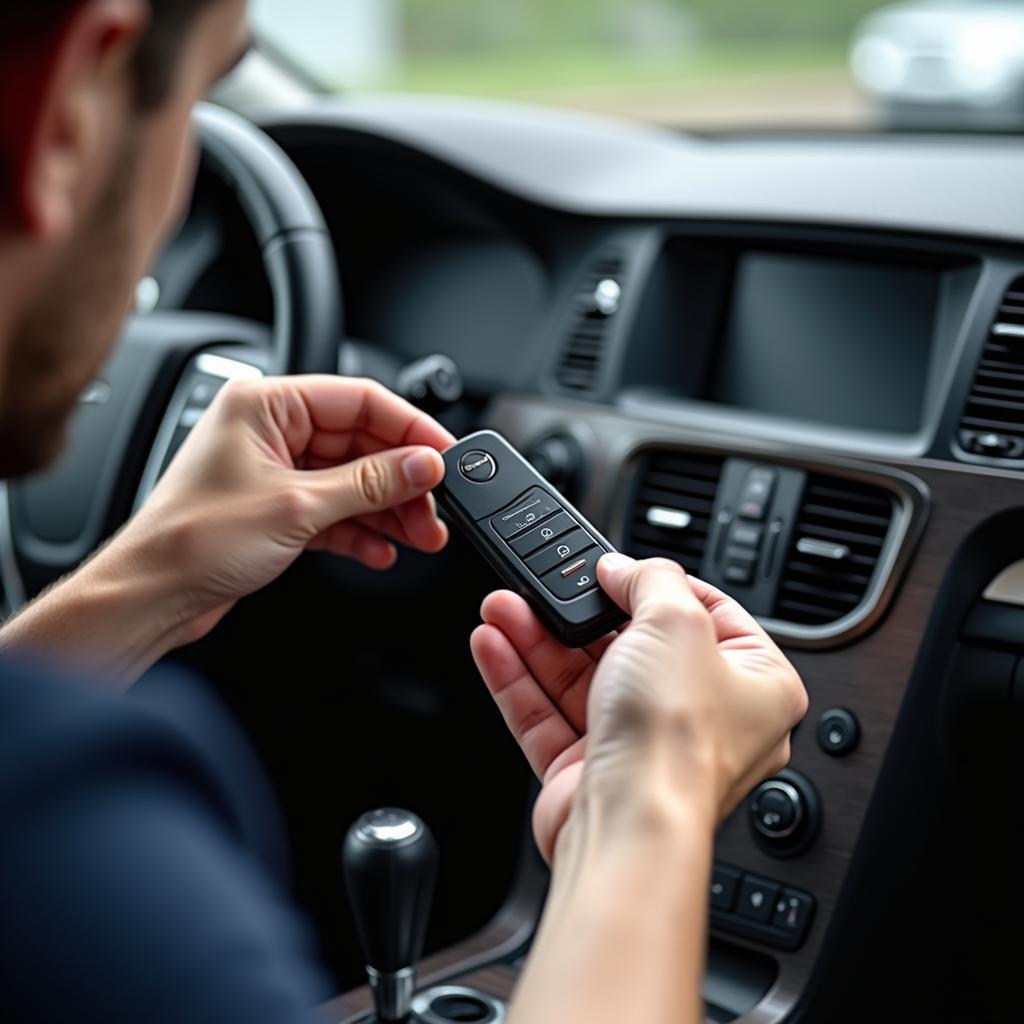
pixel 560 551
pixel 553 528
pixel 528 511
pixel 576 577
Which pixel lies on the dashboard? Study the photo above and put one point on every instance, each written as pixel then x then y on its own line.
pixel 795 365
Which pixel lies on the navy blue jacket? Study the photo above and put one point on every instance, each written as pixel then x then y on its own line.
pixel 141 860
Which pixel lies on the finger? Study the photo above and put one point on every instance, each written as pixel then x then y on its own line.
pixel 538 727
pixel 414 524
pixel 649 588
pixel 353 540
pixel 373 483
pixel 341 404
pixel 733 623
pixel 562 672
pixel 421 525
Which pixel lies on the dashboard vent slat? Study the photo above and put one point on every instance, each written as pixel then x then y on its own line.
pixel 818 591
pixel 682 482
pixel 580 358
pixel 992 423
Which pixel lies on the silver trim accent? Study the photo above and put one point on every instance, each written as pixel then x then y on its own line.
pixel 822 549
pixel 392 992
pixel 422 1002
pixel 206 362
pixel 669 518
pixel 798 802
pixel 390 833
pixel 1007 587
pixel 570 569
pixel 13 586
pixel 607 297
pixel 1008 330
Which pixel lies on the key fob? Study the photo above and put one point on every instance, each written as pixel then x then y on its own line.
pixel 536 541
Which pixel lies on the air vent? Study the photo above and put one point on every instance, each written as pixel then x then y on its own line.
pixel 840 533
pixel 594 307
pixel 993 421
pixel 672 505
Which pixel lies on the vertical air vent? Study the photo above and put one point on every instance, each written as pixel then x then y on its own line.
pixel 672 505
pixel 993 421
pixel 594 307
pixel 839 537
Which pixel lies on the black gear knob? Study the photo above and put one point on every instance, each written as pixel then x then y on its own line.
pixel 390 862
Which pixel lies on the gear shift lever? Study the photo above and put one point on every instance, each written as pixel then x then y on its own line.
pixel 390 863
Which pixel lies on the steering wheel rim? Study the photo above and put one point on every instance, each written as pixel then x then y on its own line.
pixel 51 522
pixel 293 237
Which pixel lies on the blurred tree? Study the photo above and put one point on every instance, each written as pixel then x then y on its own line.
pixel 447 26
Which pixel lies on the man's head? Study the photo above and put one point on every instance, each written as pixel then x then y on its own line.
pixel 96 161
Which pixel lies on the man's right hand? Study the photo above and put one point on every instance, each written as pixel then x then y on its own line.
pixel 691 703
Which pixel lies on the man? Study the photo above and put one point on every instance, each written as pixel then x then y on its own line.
pixel 137 849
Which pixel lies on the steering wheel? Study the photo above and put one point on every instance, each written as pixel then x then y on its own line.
pixel 168 366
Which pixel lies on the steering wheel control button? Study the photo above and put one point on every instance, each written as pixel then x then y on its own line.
pixel 785 813
pixel 559 552
pixel 527 512
pixel 793 910
pixel 838 732
pixel 757 898
pixel 724 883
pixel 757 493
pixel 553 528
pixel 579 576
pixel 478 466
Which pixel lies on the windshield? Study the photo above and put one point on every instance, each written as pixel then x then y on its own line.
pixel 696 64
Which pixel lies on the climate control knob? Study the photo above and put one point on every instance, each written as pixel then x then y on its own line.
pixel 785 813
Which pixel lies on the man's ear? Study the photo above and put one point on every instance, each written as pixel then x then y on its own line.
pixel 78 112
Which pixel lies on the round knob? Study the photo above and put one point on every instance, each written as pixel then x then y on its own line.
pixel 785 814
pixel 390 864
pixel 432 383
pixel 559 459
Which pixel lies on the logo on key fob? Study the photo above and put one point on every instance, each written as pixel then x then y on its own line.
pixel 478 466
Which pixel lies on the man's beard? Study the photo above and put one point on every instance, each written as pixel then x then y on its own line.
pixel 61 341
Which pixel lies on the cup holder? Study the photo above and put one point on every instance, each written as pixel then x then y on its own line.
pixel 454 1004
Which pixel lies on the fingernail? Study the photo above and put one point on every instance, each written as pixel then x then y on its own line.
pixel 614 561
pixel 420 468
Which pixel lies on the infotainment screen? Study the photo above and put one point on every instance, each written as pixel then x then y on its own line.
pixel 830 340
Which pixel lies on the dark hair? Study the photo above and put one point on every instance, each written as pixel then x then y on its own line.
pixel 34 22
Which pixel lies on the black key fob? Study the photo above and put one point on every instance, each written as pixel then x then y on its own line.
pixel 536 541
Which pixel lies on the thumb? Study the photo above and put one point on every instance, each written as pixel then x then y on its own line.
pixel 375 483
pixel 647 587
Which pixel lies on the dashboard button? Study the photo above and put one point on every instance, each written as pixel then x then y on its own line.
pixel 579 576
pixel 838 732
pixel 559 551
pixel 530 509
pixel 793 910
pixel 757 493
pixel 724 883
pixel 757 898
pixel 746 535
pixel 739 572
pixel 526 543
